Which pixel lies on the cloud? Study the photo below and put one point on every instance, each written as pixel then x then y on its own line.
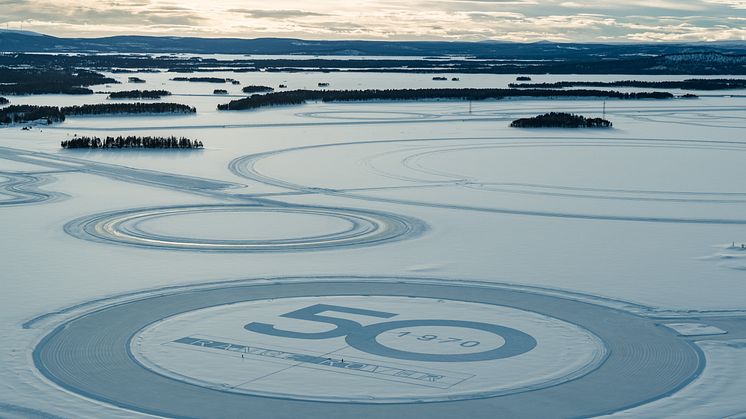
pixel 274 14
pixel 515 20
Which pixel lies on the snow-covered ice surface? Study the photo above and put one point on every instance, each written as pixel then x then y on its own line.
pixel 646 218
pixel 717 393
pixel 564 351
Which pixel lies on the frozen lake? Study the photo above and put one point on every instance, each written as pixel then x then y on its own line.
pixel 638 221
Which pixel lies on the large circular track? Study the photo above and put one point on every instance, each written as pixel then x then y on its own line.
pixel 92 354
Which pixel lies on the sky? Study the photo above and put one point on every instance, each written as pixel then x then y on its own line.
pixel 469 20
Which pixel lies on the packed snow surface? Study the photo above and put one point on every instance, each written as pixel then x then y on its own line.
pixel 646 218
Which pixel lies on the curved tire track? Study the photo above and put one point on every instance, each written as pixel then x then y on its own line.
pixel 90 355
pixel 367 228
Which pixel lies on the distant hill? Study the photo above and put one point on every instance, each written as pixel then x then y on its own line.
pixel 24 41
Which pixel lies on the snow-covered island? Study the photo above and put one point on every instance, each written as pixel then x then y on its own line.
pixel 560 120
pixel 172 143
pixel 139 94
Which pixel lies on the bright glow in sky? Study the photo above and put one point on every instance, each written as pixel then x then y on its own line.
pixel 514 20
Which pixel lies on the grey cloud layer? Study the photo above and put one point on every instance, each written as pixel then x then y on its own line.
pixel 521 20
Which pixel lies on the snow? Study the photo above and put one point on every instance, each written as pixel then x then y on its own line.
pixel 636 222
pixel 695 329
pixel 717 393
pixel 563 351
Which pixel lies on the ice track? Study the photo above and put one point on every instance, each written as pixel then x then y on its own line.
pixel 246 167
pixel 90 354
pixel 366 228
pixel 23 189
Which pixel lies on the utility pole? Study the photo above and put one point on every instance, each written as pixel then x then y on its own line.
pixel 469 106
pixel 604 117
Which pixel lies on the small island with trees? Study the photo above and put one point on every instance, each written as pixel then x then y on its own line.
pixel 219 92
pixel 171 143
pixel 560 120
pixel 135 80
pixel 4 101
pixel 139 94
pixel 15 114
pixel 18 114
pixel 201 79
pixel 128 108
pixel 257 89
pixel 690 84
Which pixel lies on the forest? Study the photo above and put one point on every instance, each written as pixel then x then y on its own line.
pixel 297 97
pixel 139 94
pixel 201 79
pixel 127 108
pixel 257 89
pixel 30 81
pixel 560 120
pixel 524 59
pixel 691 84
pixel 132 142
pixel 15 114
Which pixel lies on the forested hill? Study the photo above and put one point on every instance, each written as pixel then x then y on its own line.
pixel 14 41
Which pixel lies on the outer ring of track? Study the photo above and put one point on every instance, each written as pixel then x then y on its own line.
pixel 368 228
pixel 90 355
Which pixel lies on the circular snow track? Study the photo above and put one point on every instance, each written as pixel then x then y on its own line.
pixel 339 347
pixel 604 187
pixel 367 115
pixel 245 228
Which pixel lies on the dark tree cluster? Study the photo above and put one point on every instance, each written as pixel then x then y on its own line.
pixel 201 79
pixel 139 94
pixel 4 101
pixel 131 71
pixel 33 81
pixel 560 120
pixel 132 142
pixel 524 59
pixel 127 108
pixel 297 97
pixel 257 89
pixel 691 84
pixel 220 92
pixel 14 114
pixel 135 80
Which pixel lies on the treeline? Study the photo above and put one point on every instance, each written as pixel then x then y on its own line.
pixel 131 71
pixel 691 84
pixel 27 113
pixel 15 114
pixel 46 81
pixel 526 59
pixel 560 120
pixel 297 97
pixel 139 94
pixel 257 89
pixel 131 142
pixel 201 79
pixel 127 108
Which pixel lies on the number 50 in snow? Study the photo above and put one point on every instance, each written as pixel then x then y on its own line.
pixel 363 338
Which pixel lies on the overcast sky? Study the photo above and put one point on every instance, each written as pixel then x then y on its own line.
pixel 514 20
